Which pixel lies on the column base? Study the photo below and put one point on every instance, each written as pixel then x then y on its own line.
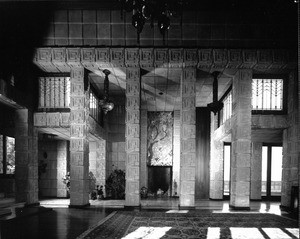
pixel 79 206
pixel 239 208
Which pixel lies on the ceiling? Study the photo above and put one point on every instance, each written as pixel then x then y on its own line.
pixel 160 87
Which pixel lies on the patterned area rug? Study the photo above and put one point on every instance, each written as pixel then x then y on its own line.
pixel 194 224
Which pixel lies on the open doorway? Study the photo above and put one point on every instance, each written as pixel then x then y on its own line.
pixel 227 156
pixel 271 171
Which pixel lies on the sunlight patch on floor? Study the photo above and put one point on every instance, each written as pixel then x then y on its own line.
pixel 275 233
pixel 148 233
pixel 177 211
pixel 213 233
pixel 293 231
pixel 245 233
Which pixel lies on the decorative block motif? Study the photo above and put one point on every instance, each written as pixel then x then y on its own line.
pixel 73 57
pixel 188 160
pixel 146 57
pixel 117 57
pixel 189 74
pixel 77 144
pixel 43 55
pixel 103 57
pixel 132 74
pixel 234 58
pixel 190 57
pixel 133 116
pixel 77 102
pixel 205 58
pixel 220 58
pixel 132 57
pixel 77 88
pixel 133 173
pixel 40 119
pixel 78 130
pixel 53 119
pixel 188 103
pixel 188 145
pixel 88 56
pixel 175 57
pixel 59 55
pixel 132 144
pixel 78 116
pixel 133 88
pixel 132 130
pixel 279 59
pixel 188 131
pixel 189 116
pixel 264 59
pixel 133 102
pixel 160 57
pixel 188 89
pixel 133 159
pixel 249 58
pixel 77 73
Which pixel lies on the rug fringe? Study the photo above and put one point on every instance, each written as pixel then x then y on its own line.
pixel 98 224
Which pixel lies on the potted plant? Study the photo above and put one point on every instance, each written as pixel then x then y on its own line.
pixel 66 181
pixel 115 185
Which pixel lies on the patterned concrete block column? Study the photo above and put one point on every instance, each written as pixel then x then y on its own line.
pixel 241 140
pixel 256 159
pixel 144 171
pixel 132 147
pixel 291 139
pixel 26 145
pixel 101 163
pixel 176 153
pixel 79 145
pixel 188 138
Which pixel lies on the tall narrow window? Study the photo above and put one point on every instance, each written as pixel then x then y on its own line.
pixel 227 149
pixel 7 155
pixel 226 112
pixel 10 155
pixel 267 94
pixel 271 171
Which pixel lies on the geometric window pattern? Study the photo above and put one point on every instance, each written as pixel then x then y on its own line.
pixel 267 94
pixel 226 111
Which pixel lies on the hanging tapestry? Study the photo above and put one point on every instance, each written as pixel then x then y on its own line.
pixel 160 138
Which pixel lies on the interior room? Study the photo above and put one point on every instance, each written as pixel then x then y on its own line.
pixel 114 110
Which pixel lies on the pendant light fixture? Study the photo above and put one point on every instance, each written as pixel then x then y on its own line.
pixel 105 104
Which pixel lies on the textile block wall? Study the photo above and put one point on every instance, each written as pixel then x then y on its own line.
pixel 54 154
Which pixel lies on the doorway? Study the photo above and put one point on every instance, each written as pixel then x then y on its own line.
pixel 271 171
pixel 227 157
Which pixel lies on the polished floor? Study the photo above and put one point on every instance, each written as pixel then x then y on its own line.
pixel 56 220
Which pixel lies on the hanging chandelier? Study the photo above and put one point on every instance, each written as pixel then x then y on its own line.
pixel 151 10
pixel 105 104
pixel 216 105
